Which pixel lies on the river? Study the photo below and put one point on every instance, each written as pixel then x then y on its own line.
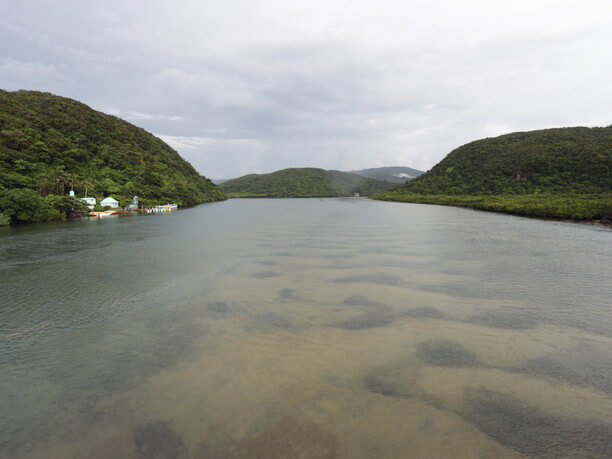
pixel 306 328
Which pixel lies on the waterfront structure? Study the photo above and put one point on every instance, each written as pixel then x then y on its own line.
pixel 109 201
pixel 134 203
pixel 90 202
pixel 161 209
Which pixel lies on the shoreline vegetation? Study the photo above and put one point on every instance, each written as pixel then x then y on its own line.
pixel 51 145
pixel 578 207
pixel 274 196
pixel 550 173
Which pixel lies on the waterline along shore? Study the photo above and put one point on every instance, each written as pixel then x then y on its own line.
pixel 581 207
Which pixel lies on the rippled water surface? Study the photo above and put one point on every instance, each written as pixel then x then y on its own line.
pixel 306 328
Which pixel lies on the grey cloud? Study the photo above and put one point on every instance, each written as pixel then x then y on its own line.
pixel 258 86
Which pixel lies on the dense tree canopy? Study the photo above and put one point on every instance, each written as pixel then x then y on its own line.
pixel 575 160
pixel 564 172
pixel 302 183
pixel 51 144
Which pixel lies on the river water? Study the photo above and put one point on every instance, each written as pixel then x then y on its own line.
pixel 306 328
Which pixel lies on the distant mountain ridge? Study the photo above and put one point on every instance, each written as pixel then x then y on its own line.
pixel 388 174
pixel 393 174
pixel 303 182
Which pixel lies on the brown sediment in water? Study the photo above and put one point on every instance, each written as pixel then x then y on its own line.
pixel 265 274
pixel 120 445
pixel 379 391
pixel 288 438
pixel 380 317
pixel 423 313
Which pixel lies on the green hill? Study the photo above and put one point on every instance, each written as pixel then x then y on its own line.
pixel 565 172
pixel 50 144
pixel 303 183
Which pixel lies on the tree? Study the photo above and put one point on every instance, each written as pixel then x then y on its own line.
pixel 87 184
pixel 24 205
pixel 108 186
pixel 54 181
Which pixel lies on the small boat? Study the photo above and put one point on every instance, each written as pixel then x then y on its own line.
pixel 164 208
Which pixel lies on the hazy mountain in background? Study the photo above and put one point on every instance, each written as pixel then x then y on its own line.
pixel 390 174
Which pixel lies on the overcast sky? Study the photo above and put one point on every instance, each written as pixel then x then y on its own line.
pixel 255 86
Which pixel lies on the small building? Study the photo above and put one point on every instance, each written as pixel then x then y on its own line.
pixel 110 202
pixel 91 202
pixel 134 203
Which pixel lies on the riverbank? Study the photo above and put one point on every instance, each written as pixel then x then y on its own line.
pixel 575 207
pixel 278 196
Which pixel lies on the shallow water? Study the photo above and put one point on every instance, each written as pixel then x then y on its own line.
pixel 306 328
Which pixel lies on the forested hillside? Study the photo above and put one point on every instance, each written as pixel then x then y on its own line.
pixel 302 183
pixel 50 144
pixel 576 160
pixel 565 172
